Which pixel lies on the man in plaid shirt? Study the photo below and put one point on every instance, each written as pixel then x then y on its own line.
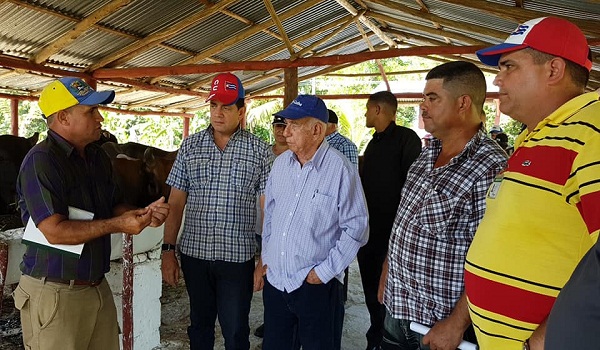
pixel 442 202
pixel 217 175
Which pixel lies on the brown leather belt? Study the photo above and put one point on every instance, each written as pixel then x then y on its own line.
pixel 73 282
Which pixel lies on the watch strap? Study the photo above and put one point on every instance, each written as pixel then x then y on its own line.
pixel 166 247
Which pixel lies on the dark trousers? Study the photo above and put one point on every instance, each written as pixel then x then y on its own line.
pixel 399 336
pixel 370 261
pixel 305 316
pixel 223 289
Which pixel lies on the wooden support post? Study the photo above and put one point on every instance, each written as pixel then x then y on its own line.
pixel 14 116
pixel 186 127
pixel 290 79
pixel 3 269
pixel 127 301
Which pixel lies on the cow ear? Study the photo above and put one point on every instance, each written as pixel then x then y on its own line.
pixel 149 157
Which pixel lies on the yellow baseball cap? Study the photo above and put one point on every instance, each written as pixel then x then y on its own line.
pixel 69 91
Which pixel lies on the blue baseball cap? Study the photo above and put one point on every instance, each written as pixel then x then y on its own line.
pixel 305 106
pixel 70 91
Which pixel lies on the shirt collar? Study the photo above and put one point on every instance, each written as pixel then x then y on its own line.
pixel 561 114
pixel 317 159
pixel 387 131
pixel 468 151
pixel 67 147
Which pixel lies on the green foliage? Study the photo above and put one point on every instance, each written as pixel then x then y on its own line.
pixel 512 128
pixel 406 115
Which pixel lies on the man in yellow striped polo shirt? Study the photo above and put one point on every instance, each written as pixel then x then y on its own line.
pixel 543 212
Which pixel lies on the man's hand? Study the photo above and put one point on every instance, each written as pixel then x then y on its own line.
pixel 444 335
pixel 170 267
pixel 312 277
pixel 259 273
pixel 134 221
pixel 160 211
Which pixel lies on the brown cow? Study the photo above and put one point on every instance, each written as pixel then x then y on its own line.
pixel 140 171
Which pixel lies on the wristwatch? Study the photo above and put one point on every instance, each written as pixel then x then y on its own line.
pixel 526 344
pixel 166 247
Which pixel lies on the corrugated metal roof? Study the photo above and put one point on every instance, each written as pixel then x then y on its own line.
pixel 29 26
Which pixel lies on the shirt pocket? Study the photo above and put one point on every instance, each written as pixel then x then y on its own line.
pixel 200 172
pixel 322 212
pixel 244 173
pixel 438 212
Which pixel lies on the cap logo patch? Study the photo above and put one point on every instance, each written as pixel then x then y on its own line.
pixel 522 29
pixel 79 88
pixel 297 103
pixel 230 86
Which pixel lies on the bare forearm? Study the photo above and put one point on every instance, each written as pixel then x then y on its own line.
pixel 82 231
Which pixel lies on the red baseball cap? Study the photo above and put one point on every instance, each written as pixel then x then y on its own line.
pixel 551 35
pixel 226 88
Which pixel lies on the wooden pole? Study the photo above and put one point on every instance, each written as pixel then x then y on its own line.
pixel 186 127
pixel 14 116
pixel 290 78
pixel 127 300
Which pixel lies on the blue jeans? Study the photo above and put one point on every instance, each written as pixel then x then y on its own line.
pixel 223 289
pixel 398 336
pixel 306 316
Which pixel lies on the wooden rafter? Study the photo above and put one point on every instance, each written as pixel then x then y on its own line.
pixel 250 23
pixel 463 26
pixel 325 38
pixel 152 40
pixel 98 26
pixel 80 28
pixel 426 29
pixel 354 75
pixel 280 48
pixel 279 25
pixel 249 32
pixel 367 22
pixel 115 73
pixel 379 65
pixel 520 15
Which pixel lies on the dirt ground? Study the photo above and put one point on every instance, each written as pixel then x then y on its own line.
pixel 175 311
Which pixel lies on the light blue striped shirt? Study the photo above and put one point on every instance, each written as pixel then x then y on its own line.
pixel 315 217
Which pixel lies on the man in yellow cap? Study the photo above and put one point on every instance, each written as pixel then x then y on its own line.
pixel 64 300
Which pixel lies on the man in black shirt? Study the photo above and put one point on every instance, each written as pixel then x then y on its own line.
pixel 386 161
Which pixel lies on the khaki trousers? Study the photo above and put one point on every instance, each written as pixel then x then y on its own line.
pixel 58 316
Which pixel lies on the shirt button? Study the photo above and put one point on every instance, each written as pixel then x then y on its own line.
pixel 297 194
pixel 284 234
pixel 282 253
pixel 290 213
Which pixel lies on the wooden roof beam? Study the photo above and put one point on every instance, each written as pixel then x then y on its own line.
pixel 116 74
pixel 250 23
pixel 379 65
pixel 277 49
pixel 326 38
pixel 249 32
pixel 438 32
pixel 282 32
pixel 99 26
pixel 520 15
pixel 80 28
pixel 466 27
pixel 367 22
pixel 150 41
pixel 355 75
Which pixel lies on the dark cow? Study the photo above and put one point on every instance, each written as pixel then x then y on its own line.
pixel 12 151
pixel 140 171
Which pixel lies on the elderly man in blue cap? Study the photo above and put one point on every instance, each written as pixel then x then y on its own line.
pixel 315 222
